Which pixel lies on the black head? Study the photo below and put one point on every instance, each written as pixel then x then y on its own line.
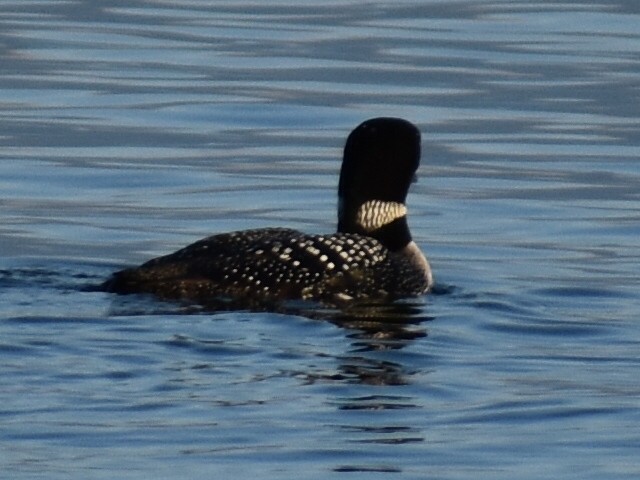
pixel 381 157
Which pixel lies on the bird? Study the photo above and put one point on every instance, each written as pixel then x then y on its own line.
pixel 370 258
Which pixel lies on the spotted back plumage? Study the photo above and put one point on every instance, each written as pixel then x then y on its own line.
pixel 277 264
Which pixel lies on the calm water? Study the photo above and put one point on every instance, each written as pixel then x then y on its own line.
pixel 129 129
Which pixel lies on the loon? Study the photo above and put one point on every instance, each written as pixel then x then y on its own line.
pixel 371 257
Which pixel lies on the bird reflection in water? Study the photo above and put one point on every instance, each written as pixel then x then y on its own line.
pixel 371 327
pixel 383 326
pixel 374 328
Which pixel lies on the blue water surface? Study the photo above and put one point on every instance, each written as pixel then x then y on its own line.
pixel 130 129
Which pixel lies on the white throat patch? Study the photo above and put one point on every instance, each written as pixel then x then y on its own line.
pixel 377 213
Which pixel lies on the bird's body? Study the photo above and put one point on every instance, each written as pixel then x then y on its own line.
pixel 372 255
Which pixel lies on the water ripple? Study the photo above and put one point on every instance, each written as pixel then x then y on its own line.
pixel 131 129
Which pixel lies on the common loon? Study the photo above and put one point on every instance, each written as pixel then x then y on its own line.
pixel 371 257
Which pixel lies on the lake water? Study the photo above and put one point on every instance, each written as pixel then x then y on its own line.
pixel 130 129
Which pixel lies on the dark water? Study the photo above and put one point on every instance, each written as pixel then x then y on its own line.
pixel 129 129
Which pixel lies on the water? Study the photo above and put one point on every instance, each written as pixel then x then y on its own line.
pixel 129 129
